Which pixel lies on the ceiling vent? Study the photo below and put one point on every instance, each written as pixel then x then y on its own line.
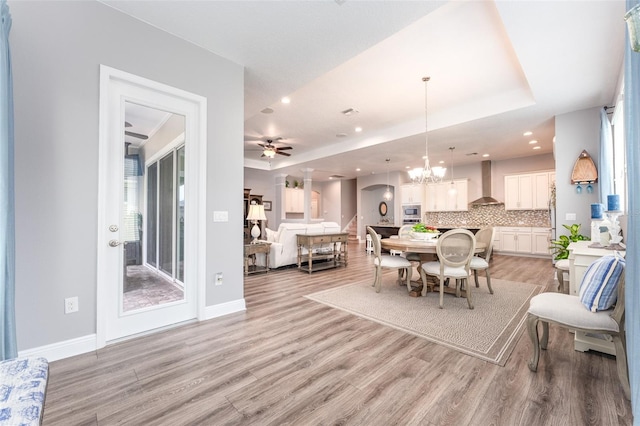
pixel 337 177
pixel 486 199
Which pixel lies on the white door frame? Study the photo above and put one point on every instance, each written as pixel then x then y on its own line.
pixel 115 87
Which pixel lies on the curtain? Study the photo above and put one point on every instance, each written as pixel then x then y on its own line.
pixel 632 140
pixel 8 346
pixel 605 174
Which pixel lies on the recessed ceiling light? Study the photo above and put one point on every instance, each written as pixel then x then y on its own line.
pixel 485 155
pixel 267 111
pixel 358 129
pixel 285 100
pixel 533 142
pixel 407 167
pixel 441 162
pixel 536 147
pixel 527 133
pixel 358 169
pixel 330 177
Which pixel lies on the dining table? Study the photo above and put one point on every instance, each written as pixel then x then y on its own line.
pixel 426 249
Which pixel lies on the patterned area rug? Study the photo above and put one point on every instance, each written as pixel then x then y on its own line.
pixel 489 331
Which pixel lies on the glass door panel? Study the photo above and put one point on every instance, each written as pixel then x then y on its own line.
pixel 165 217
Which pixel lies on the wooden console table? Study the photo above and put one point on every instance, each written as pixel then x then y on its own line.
pixel 329 251
pixel 250 250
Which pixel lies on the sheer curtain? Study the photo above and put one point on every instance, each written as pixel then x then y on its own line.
pixel 8 347
pixel 632 137
pixel 605 174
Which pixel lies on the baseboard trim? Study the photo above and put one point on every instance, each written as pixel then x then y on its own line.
pixel 65 349
pixel 226 308
pixel 82 345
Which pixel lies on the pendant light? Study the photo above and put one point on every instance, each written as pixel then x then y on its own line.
pixel 453 191
pixel 388 195
pixel 426 174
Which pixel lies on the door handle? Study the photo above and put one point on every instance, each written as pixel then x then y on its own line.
pixel 116 243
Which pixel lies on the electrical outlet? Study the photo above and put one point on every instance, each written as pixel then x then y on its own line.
pixel 219 278
pixel 70 305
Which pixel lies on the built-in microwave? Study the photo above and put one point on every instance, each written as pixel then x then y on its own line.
pixel 411 211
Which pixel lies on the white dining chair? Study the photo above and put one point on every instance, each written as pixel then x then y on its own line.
pixel 382 261
pixel 455 249
pixel 480 261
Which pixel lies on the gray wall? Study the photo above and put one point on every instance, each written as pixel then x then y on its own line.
pixel 348 201
pixel 575 131
pixel 57 49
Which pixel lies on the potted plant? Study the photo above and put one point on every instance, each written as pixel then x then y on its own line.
pixel 560 245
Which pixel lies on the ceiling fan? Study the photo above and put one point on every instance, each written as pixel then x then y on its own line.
pixel 134 134
pixel 270 150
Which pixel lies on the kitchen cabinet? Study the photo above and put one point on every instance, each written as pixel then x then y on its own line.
pixel 439 198
pixel 541 241
pixel 517 240
pixel 294 200
pixel 523 240
pixel 530 191
pixel 412 194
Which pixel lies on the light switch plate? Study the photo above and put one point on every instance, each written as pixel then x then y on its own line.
pixel 221 216
pixel 570 216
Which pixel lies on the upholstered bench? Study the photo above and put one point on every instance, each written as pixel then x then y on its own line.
pixel 23 385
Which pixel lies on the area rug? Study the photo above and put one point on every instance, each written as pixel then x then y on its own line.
pixel 490 331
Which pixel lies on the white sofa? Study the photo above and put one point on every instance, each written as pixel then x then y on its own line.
pixel 284 247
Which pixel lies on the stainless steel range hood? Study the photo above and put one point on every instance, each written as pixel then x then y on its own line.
pixel 486 199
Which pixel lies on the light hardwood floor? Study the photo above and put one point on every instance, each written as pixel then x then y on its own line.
pixel 289 360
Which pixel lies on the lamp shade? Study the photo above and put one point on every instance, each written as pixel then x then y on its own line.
pixel 256 212
pixel 633 24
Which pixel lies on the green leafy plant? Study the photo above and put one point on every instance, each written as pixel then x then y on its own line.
pixel 560 245
pixel 421 227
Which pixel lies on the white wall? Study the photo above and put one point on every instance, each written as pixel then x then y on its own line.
pixel 57 49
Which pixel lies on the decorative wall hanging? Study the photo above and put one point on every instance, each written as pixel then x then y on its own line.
pixel 584 172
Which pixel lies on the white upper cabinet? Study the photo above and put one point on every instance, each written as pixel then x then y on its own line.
pixel 294 200
pixel 440 199
pixel 412 194
pixel 529 191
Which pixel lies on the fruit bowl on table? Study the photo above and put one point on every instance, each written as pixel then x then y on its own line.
pixel 425 236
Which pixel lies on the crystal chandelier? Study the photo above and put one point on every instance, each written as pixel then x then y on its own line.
pixel 426 174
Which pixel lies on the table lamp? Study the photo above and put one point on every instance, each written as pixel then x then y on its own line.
pixel 256 213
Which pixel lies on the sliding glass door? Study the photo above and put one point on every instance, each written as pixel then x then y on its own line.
pixel 165 210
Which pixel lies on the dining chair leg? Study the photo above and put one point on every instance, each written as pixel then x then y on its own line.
pixel 378 279
pixel 486 272
pixel 475 276
pixel 469 299
pixel 441 293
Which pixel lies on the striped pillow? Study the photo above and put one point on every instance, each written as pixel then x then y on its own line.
pixel 599 286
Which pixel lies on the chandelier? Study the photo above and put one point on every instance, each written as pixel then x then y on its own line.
pixel 426 174
pixel 388 195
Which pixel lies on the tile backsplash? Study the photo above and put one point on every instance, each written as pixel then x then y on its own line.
pixel 495 215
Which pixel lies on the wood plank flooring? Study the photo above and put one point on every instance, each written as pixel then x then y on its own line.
pixel 291 361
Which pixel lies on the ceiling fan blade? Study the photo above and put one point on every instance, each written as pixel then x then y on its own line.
pixel 127 124
pixel 284 147
pixel 262 145
pixel 283 153
pixel 136 135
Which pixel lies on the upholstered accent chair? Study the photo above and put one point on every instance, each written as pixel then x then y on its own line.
pixel 382 261
pixel 569 311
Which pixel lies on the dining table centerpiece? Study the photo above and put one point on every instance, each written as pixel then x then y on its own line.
pixel 420 231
